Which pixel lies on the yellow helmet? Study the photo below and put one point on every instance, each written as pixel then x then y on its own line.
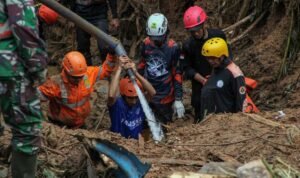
pixel 215 47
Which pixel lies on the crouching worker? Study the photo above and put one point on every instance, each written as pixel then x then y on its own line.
pixel 125 110
pixel 69 92
pixel 225 89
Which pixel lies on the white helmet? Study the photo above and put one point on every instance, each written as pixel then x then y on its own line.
pixel 157 25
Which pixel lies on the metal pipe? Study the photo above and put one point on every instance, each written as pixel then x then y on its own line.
pixel 86 26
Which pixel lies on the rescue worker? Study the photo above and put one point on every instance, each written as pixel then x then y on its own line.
pixel 126 112
pixel 95 12
pixel 225 89
pixel 23 62
pixel 193 62
pixel 160 66
pixel 69 92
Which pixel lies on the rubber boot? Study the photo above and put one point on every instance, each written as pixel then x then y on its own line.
pixel 23 165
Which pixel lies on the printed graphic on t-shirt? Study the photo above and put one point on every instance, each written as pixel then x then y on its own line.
pixel 132 124
pixel 156 66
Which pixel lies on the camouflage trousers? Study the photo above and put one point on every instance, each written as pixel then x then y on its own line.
pixel 21 111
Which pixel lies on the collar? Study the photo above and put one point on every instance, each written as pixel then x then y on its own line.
pixel 66 81
pixel 154 46
pixel 203 39
pixel 226 61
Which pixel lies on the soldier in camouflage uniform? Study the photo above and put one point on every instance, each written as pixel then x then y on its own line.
pixel 23 62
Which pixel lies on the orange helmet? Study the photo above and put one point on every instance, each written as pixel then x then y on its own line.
pixel 47 14
pixel 74 64
pixel 127 88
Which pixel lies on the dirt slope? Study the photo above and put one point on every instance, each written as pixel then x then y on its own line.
pixel 220 138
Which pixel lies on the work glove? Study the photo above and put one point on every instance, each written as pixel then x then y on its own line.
pixel 178 108
pixel 38 78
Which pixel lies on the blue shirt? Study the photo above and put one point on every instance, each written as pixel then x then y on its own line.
pixel 128 121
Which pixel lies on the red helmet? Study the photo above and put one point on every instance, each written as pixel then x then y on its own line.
pixel 127 88
pixel 47 14
pixel 193 17
pixel 74 64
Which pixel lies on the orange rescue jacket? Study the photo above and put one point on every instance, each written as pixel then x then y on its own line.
pixel 69 103
pixel 250 85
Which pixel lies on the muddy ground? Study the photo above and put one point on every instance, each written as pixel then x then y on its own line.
pixel 226 137
pixel 237 138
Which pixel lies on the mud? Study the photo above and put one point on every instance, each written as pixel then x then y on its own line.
pixel 223 137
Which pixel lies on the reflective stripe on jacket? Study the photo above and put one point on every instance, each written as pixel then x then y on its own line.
pixel 69 103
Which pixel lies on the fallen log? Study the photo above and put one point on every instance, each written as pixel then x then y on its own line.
pixel 173 161
pixel 242 21
pixel 242 35
pixel 259 119
pixel 221 144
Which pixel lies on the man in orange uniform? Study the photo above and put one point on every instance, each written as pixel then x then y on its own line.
pixel 69 92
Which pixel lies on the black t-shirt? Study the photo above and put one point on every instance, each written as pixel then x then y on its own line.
pixel 95 10
pixel 194 62
pixel 224 91
pixel 160 66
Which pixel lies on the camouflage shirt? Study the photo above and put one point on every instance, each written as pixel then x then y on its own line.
pixel 22 51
